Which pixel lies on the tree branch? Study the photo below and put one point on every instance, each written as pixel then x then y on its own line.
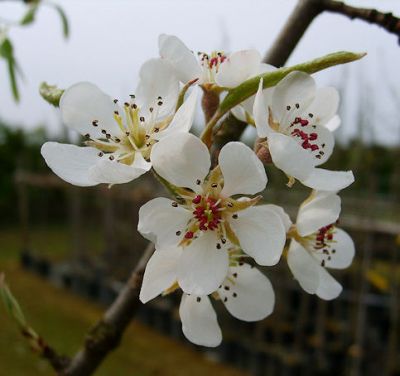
pixel 387 20
pixel 106 334
pixel 293 30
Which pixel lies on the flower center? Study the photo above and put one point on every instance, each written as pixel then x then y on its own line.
pixel 207 212
pixel 135 133
pixel 323 241
pixel 300 126
pixel 305 136
pixel 211 63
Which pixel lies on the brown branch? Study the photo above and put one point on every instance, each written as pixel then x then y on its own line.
pixel 106 334
pixel 293 30
pixel 305 12
pixel 387 20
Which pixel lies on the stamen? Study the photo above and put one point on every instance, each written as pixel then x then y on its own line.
pixel 189 235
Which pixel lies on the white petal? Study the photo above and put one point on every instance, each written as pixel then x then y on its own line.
pixel 113 172
pixel 70 162
pixel 199 321
pixel 326 180
pixel 261 234
pixel 333 124
pixel 237 68
pixel 159 221
pixel 295 88
pixel 325 138
pixel 203 267
pixel 290 157
pixel 157 78
pixel 282 215
pixel 243 172
pixel 324 105
pixel 250 297
pixel 160 273
pixel 239 112
pixel 260 113
pixel 343 254
pixel 185 63
pixel 304 267
pixel 321 210
pixel 183 119
pixel 83 103
pixel 328 288
pixel 181 159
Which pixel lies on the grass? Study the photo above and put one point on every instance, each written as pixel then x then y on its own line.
pixel 54 242
pixel 63 319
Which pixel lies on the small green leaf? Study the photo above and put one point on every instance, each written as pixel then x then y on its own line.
pixel 249 87
pixel 64 20
pixel 11 303
pixel 29 16
pixel 7 53
pixel 51 93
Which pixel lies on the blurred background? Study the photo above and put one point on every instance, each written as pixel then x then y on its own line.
pixel 83 243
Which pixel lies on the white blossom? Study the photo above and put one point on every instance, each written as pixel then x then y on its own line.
pixel 216 68
pixel 297 124
pixel 207 217
pixel 317 244
pixel 118 138
pixel 246 293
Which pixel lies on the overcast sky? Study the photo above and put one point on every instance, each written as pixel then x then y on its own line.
pixel 110 39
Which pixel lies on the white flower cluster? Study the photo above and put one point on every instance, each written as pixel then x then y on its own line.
pixel 209 238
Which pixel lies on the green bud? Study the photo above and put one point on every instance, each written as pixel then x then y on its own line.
pixel 51 93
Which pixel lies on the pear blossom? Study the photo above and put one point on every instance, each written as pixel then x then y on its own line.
pixel 318 244
pixel 208 214
pixel 298 125
pixel 216 68
pixel 245 292
pixel 118 138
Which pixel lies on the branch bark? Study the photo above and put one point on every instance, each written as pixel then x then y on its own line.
pixel 387 20
pixel 307 10
pixel 106 334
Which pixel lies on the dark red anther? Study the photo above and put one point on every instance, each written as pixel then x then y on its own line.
pixel 303 122
pixel 197 199
pixel 314 147
pixel 189 235
pixel 313 136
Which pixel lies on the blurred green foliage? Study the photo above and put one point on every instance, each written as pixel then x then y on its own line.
pixel 19 149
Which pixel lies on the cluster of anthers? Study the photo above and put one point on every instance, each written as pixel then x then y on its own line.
pixel 322 242
pixel 211 211
pixel 211 63
pixel 136 133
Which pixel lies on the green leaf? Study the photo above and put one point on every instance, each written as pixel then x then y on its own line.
pixel 64 20
pixel 11 304
pixel 29 16
pixel 249 87
pixel 51 93
pixel 7 53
